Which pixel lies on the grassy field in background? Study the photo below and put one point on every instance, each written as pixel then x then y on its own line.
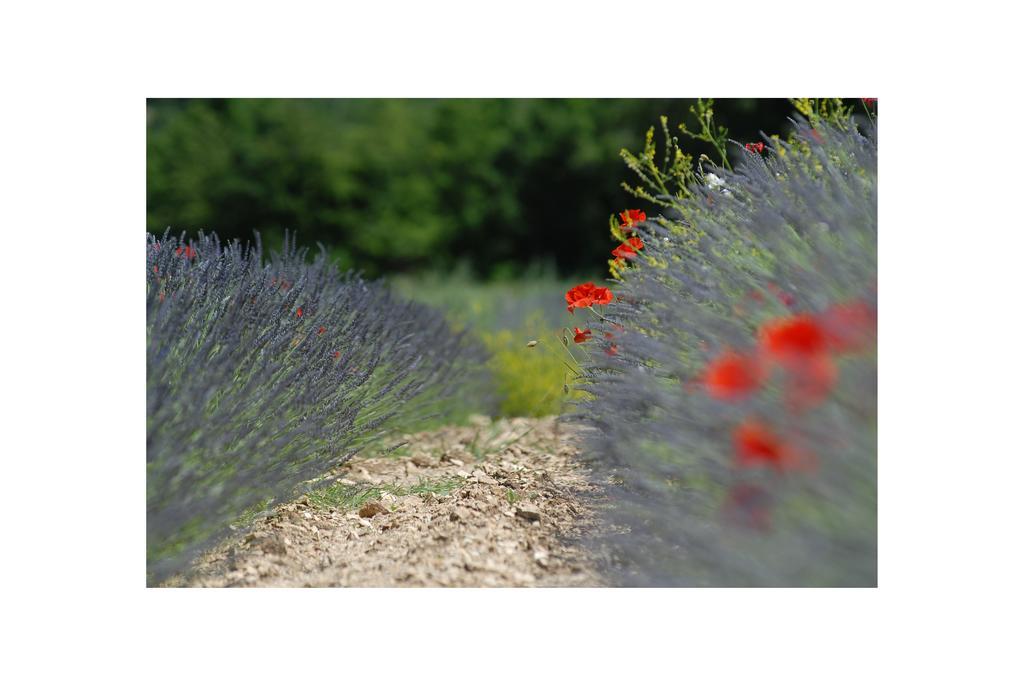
pixel 506 315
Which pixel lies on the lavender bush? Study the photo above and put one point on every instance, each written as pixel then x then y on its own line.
pixel 736 419
pixel 263 374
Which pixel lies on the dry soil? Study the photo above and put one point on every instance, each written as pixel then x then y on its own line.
pixel 492 504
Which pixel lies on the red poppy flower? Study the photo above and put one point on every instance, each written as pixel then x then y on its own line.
pixel 810 381
pixel 611 350
pixel 624 252
pixel 869 101
pixel 602 296
pixel 755 147
pixel 628 249
pixel 336 354
pixel 796 336
pixel 631 217
pixel 321 330
pixel 161 296
pixel 188 251
pixel 580 296
pixel 580 335
pixel 849 327
pixel 586 295
pixel 156 269
pixel 756 444
pixel 298 312
pixel 732 376
pixel 801 345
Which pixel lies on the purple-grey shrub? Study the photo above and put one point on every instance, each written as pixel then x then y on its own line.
pixel 263 374
pixel 790 232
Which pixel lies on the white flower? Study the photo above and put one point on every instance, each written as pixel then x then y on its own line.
pixel 713 181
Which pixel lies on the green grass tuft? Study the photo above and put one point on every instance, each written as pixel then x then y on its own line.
pixel 346 497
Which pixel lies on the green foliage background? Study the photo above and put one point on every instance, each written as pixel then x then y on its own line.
pixel 398 185
pixel 504 316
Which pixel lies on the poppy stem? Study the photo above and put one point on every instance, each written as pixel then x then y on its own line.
pixel 569 366
pixel 603 318
pixel 565 344
pixel 867 109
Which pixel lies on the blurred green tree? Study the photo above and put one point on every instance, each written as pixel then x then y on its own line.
pixel 396 185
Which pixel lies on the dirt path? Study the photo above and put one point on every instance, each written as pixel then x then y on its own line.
pixel 492 504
